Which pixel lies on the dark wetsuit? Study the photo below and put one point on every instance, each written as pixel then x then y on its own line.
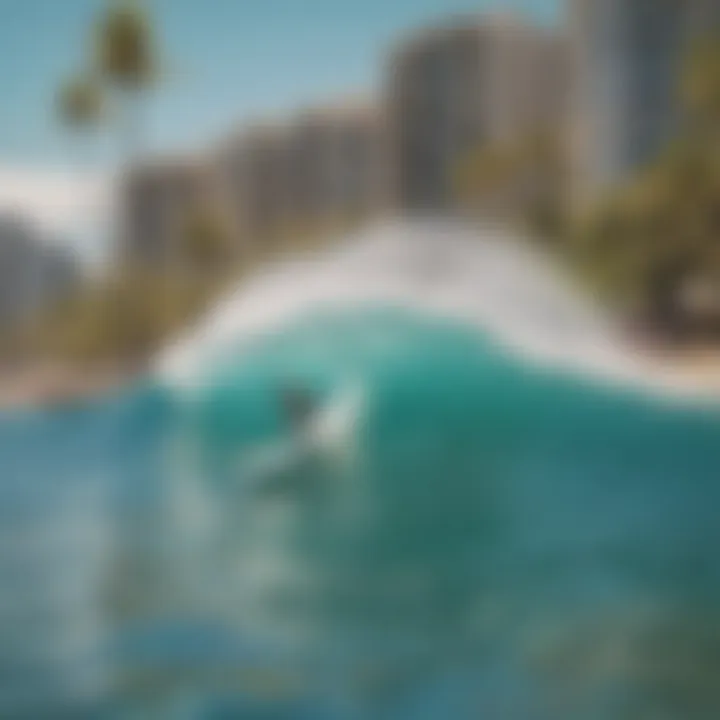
pixel 298 405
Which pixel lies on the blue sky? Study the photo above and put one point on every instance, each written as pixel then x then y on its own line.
pixel 227 60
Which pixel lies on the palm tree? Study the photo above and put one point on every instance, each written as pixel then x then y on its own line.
pixel 126 59
pixel 80 105
pixel 700 86
pixel 208 243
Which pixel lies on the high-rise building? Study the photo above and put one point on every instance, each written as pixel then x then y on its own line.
pixel 324 165
pixel 434 99
pixel 159 201
pixel 628 57
pixel 528 78
pixel 253 170
pixel 451 89
pixel 336 164
pixel 34 273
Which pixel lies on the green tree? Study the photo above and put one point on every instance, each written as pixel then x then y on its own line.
pixel 129 312
pixel 127 61
pixel 80 108
pixel 657 240
pixel 80 104
pixel 700 86
pixel 208 243
pixel 522 179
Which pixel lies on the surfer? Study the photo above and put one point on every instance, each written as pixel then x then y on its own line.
pixel 299 406
pixel 277 468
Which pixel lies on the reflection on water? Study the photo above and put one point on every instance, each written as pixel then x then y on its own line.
pixel 54 543
pixel 447 534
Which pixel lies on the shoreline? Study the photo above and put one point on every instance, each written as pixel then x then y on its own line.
pixel 50 386
pixel 686 369
pixel 485 279
pixel 697 366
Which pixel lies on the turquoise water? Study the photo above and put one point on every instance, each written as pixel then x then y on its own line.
pixel 471 537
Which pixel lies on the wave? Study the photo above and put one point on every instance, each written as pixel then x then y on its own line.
pixel 449 269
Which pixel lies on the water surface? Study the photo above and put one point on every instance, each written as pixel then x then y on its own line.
pixel 460 534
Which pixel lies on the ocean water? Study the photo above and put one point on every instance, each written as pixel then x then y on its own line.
pixel 451 531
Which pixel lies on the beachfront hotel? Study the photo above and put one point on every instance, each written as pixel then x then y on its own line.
pixel 433 96
pixel 447 90
pixel 628 56
pixel 528 77
pixel 325 167
pixel 450 89
pixel 322 167
pixel 336 164
pixel 252 167
pixel 159 200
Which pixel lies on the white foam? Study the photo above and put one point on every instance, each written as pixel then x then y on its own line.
pixel 336 423
pixel 329 433
pixel 450 269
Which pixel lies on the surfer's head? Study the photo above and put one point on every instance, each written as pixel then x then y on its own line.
pixel 297 403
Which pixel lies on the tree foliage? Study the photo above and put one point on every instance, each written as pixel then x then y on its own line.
pixel 656 242
pixel 521 179
pixel 208 243
pixel 126 55
pixel 124 314
pixel 80 103
pixel 701 86
pixel 121 318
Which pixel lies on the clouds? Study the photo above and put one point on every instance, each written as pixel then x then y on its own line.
pixel 71 206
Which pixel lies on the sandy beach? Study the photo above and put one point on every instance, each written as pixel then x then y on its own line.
pixel 56 385
pixel 695 366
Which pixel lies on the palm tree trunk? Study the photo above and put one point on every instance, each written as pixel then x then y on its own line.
pixel 132 131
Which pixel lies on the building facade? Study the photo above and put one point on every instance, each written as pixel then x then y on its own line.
pixel 323 166
pixel 253 174
pixel 452 89
pixel 434 110
pixel 528 77
pixel 159 201
pixel 628 57
pixel 336 165
pixel 34 272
